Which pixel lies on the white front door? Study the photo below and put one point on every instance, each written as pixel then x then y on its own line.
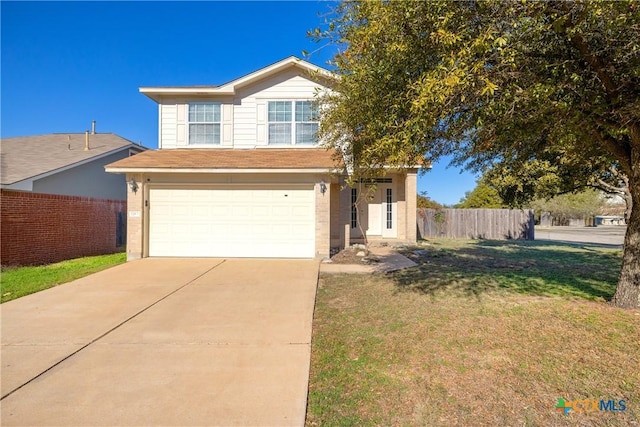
pixel 374 217
pixel 382 212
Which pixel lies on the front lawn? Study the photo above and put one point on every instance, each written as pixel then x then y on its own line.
pixel 21 281
pixel 481 333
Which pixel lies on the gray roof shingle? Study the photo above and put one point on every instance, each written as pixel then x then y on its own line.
pixel 25 157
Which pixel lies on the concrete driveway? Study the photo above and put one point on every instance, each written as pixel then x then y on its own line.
pixel 163 342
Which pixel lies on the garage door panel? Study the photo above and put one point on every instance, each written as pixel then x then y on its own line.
pixel 232 222
pixel 261 211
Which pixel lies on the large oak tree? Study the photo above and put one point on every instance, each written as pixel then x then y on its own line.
pixel 518 85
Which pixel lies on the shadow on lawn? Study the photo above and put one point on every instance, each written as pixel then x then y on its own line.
pixel 525 267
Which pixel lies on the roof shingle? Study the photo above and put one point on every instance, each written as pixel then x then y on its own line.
pixel 229 158
pixel 25 157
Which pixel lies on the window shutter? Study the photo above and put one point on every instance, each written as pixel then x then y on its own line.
pixel 181 133
pixel 227 124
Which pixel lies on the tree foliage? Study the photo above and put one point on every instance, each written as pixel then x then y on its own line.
pixel 542 181
pixel 564 207
pixel 483 196
pixel 550 88
pixel 425 202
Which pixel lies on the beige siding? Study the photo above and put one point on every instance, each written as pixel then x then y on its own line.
pixel 244 122
pixel 168 125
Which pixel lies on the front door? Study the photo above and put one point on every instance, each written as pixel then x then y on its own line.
pixel 382 212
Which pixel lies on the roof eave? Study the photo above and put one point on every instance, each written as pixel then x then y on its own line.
pixel 217 170
pixel 156 93
pixel 230 88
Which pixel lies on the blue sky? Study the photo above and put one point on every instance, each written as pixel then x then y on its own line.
pixel 65 64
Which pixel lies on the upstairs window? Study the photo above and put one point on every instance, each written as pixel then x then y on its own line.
pixel 204 123
pixel 280 122
pixel 293 122
pixel 306 122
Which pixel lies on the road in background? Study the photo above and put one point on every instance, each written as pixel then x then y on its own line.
pixel 603 234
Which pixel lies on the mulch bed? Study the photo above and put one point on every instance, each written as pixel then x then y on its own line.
pixel 350 256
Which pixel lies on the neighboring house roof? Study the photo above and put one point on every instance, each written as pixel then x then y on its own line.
pixel 28 157
pixel 230 88
pixel 228 160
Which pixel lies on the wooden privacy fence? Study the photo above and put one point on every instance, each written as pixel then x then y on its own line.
pixel 495 224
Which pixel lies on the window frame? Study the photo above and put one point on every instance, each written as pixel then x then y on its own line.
pixel 293 122
pixel 389 209
pixel 217 123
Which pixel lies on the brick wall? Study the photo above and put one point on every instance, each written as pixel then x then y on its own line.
pixel 323 221
pixel 43 228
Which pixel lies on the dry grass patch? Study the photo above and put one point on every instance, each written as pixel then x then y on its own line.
pixel 391 351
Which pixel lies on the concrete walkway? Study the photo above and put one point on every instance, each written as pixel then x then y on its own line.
pixel 163 342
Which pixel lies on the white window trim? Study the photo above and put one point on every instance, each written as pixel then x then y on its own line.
pixel 188 123
pixel 293 122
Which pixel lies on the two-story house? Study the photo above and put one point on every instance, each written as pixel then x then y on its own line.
pixel 240 173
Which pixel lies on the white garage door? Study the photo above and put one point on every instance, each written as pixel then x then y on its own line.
pixel 232 222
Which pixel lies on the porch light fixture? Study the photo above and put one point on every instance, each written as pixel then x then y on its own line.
pixel 133 185
pixel 323 187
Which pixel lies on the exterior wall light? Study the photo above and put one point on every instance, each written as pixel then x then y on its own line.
pixel 323 187
pixel 133 185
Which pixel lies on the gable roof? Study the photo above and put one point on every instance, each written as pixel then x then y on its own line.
pixel 31 156
pixel 227 160
pixel 230 88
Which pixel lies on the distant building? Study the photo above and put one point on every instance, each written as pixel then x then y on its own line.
pixel 69 164
pixel 610 220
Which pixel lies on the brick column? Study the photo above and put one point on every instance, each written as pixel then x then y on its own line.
pixel 323 220
pixel 135 215
pixel 411 184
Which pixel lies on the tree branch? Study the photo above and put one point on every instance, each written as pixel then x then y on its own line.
pixel 593 60
pixel 598 66
pixel 608 188
pixel 619 151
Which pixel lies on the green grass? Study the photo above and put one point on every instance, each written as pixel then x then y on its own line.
pixel 20 281
pixel 480 333
pixel 524 267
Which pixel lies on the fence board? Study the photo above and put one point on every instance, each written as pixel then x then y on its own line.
pixel 494 224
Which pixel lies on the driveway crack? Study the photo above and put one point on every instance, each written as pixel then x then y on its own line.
pixel 110 330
